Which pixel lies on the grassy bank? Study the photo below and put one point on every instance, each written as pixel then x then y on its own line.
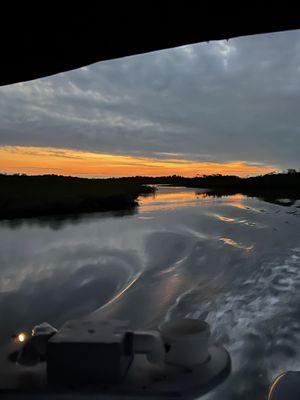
pixel 30 196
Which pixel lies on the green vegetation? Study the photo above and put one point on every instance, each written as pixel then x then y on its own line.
pixel 30 196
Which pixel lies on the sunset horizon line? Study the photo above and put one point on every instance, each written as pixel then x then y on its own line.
pixel 35 160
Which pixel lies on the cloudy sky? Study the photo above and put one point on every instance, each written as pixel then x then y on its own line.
pixel 228 107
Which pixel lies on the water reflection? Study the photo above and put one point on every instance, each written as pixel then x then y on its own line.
pixel 225 219
pixel 267 197
pixel 57 222
pixel 233 243
pixel 232 260
pixel 170 198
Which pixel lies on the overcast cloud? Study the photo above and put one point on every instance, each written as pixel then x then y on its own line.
pixel 219 101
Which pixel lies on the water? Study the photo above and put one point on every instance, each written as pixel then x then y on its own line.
pixel 234 261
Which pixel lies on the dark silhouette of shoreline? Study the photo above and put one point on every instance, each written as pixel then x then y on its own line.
pixel 273 185
pixel 25 196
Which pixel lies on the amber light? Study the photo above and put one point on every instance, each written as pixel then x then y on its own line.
pixel 20 337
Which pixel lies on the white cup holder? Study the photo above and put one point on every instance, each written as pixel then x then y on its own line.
pixel 186 341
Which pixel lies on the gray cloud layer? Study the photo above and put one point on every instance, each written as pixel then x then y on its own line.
pixel 222 101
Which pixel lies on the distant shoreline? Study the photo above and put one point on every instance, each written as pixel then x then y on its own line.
pixel 273 185
pixel 24 196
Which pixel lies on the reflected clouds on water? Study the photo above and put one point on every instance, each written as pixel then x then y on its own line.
pixel 232 260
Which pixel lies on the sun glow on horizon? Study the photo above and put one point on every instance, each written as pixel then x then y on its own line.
pixel 46 160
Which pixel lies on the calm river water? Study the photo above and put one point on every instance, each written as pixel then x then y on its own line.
pixel 234 261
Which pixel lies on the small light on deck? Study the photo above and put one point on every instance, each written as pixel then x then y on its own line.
pixel 21 337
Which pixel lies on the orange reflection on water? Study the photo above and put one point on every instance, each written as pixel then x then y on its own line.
pixel 225 219
pixel 233 243
pixel 169 201
pixel 235 200
pixel 172 196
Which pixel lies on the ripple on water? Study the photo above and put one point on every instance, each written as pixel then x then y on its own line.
pixel 234 220
pixel 258 320
pixel 233 243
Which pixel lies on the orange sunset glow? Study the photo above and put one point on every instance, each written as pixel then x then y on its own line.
pixel 42 160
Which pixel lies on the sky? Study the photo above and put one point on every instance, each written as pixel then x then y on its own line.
pixel 218 107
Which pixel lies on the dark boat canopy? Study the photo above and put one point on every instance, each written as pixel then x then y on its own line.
pixel 46 39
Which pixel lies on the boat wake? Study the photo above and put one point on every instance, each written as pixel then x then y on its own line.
pixel 257 320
